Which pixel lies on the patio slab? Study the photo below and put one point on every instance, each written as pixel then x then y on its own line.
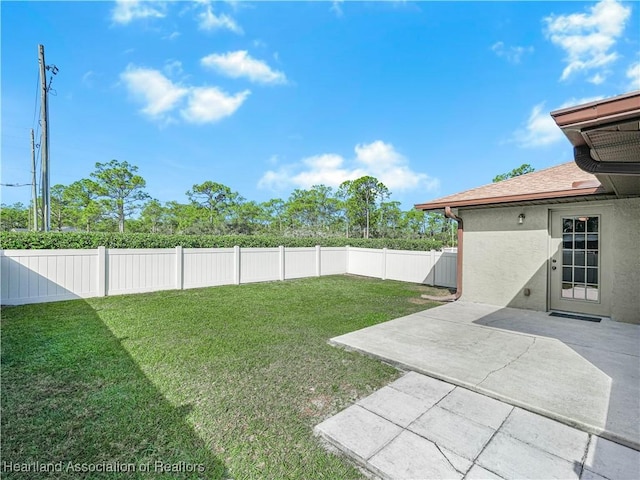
pixel 400 408
pixel 442 444
pixel 453 432
pixel 583 374
pixel 508 457
pixel 411 456
pixel 479 408
pixel 547 435
pixel 358 432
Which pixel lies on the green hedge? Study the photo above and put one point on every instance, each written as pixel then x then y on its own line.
pixel 78 240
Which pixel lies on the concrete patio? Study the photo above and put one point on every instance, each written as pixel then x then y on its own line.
pixel 422 428
pixel 583 375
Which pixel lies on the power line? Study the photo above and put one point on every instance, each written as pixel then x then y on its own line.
pixel 35 103
pixel 38 157
pixel 38 161
pixel 37 129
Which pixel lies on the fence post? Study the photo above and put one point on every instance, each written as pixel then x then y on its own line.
pixel 384 264
pixel 236 262
pixel 102 272
pixel 347 258
pixel 179 268
pixel 433 267
pixel 281 251
pixel 318 260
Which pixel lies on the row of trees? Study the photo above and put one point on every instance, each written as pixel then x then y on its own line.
pixel 114 199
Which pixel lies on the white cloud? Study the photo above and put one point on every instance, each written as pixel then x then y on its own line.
pixel 541 130
pixel 572 102
pixel 588 38
pixel 274 160
pixel 172 36
pixel 241 64
pixel 336 7
pixel 210 104
pixel 597 79
pixel 633 74
pixel 161 97
pixel 273 180
pixel 159 94
pixel 237 5
pixel 173 67
pixel 87 78
pixel 207 20
pixel 126 11
pixel 326 169
pixel 378 159
pixel 512 54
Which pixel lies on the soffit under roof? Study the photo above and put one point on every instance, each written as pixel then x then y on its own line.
pixel 615 143
pixel 611 130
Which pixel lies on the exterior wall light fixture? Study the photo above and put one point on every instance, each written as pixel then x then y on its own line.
pixel 521 219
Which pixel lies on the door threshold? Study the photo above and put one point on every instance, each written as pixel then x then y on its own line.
pixel 575 316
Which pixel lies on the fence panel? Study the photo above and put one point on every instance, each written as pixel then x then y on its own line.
pixel 446 270
pixel 407 266
pixel 299 262
pixel 366 262
pixel 259 264
pixel 208 267
pixel 35 276
pixel 333 261
pixel 140 270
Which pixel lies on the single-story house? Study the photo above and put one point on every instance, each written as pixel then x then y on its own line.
pixel 566 238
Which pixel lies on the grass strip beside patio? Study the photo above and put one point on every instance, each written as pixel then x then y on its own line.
pixel 231 378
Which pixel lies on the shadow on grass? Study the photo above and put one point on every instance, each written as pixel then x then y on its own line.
pixel 76 405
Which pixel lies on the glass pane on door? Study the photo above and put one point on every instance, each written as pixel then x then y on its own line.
pixel 580 258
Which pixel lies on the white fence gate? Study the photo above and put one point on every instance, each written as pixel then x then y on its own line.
pixel 34 276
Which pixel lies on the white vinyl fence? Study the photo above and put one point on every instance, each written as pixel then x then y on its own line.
pixel 35 276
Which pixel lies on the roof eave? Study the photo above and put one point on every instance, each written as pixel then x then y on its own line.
pixel 477 202
pixel 598 113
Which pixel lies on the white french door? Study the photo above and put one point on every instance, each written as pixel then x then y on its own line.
pixel 579 275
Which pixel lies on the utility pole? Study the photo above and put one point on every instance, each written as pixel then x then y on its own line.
pixel 44 142
pixel 34 192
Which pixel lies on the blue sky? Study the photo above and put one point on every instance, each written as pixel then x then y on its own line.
pixel 265 97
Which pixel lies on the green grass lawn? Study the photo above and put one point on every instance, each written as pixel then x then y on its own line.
pixel 232 379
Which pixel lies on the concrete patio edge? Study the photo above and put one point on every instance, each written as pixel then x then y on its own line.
pixel 604 433
pixel 418 427
pixel 337 448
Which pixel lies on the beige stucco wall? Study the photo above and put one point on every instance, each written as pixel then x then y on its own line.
pixel 626 261
pixel 502 258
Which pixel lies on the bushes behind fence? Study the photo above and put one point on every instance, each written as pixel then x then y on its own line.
pixel 80 240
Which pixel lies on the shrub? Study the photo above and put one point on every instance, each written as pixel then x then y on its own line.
pixel 82 240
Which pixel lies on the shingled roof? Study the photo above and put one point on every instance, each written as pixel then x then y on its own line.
pixel 562 181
